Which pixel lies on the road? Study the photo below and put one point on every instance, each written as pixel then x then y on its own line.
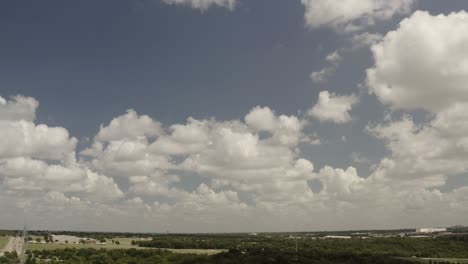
pixel 14 244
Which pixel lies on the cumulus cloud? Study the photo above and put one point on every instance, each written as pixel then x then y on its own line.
pixel 338 181
pixel 18 108
pixel 365 39
pixel 422 158
pixel 413 158
pixel 231 154
pixel 184 139
pixel 203 4
pixel 37 158
pixel 38 141
pixel 244 170
pixel 352 15
pixel 423 154
pixel 333 108
pixel 333 59
pixel 232 175
pixel 129 126
pixel 322 75
pixel 423 64
pixel 261 118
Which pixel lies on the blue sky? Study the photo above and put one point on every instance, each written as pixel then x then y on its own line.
pixel 86 63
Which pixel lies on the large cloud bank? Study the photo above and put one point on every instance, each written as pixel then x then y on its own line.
pixel 250 173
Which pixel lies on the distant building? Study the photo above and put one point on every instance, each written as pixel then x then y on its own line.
pixel 338 237
pixel 431 230
pixel 63 239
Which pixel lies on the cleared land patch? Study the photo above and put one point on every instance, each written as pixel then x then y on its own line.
pixel 3 241
pixel 52 246
pixel 124 243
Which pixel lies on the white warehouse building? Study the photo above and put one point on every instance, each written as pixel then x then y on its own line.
pixel 431 230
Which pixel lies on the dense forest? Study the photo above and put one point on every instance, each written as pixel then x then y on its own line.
pixel 256 248
pixel 134 256
pixel 448 247
pixel 326 251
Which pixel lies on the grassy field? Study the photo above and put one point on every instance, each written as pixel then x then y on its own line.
pixel 427 260
pixel 61 246
pixel 3 241
pixel 125 243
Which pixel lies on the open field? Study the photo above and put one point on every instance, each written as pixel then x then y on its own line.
pixel 62 246
pixel 3 242
pixel 125 243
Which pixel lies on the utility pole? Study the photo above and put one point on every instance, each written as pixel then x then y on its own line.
pixel 24 237
pixel 296 246
pixel 297 259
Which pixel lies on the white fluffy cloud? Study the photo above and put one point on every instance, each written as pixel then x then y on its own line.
pixel 261 118
pixel 184 139
pixel 18 108
pixel 405 77
pixel 322 75
pixel 22 137
pixel 352 15
pixel 413 155
pixel 424 154
pixel 37 158
pixel 252 169
pixel 231 154
pixel 37 141
pixel 333 108
pixel 365 39
pixel 203 4
pixel 339 182
pixel 129 126
pixel 333 59
pixel 423 64
pixel 251 173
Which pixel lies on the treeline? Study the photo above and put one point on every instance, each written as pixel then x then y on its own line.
pixel 458 229
pixel 447 247
pixel 264 256
pixel 204 242
pixel 8 232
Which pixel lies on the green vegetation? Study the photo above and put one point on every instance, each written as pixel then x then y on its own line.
pixel 8 232
pixel 455 247
pixel 3 241
pixel 436 260
pixel 9 258
pixel 123 243
pixel 120 256
pixel 265 249
pixel 53 246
